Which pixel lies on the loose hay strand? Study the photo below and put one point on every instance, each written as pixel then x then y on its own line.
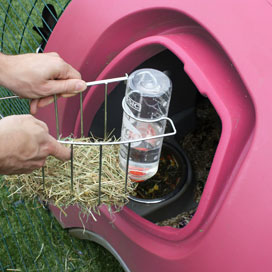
pixel 85 193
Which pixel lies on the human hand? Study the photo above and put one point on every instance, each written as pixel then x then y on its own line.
pixel 39 76
pixel 25 144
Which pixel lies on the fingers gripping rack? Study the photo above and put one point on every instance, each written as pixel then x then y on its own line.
pixel 104 82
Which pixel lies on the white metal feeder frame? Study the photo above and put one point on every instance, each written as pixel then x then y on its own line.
pixel 102 143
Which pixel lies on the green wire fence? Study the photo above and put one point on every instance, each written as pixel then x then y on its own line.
pixel 30 238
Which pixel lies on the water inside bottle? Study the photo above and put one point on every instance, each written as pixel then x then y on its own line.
pixel 144 155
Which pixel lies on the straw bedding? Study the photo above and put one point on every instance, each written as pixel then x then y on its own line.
pixel 57 186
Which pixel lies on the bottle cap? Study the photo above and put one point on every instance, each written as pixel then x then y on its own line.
pixel 149 82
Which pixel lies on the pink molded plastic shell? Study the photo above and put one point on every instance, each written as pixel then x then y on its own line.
pixel 226 48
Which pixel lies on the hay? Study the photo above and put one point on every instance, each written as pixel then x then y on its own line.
pixel 179 221
pixel 57 187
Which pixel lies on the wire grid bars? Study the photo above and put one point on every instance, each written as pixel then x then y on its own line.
pixel 105 82
pixel 25 25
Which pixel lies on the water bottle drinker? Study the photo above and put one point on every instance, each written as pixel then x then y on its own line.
pixel 145 105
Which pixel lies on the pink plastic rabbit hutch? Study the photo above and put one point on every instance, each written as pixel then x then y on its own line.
pixel 225 48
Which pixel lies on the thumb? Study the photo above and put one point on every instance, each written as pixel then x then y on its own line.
pixel 67 86
pixel 34 106
pixel 58 150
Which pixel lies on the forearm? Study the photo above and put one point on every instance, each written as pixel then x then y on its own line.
pixel 16 74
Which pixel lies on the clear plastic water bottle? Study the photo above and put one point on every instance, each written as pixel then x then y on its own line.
pixel 147 97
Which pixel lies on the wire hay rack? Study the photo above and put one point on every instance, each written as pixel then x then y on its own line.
pixel 117 199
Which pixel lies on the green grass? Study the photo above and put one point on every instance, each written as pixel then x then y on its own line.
pixel 30 237
pixel 32 240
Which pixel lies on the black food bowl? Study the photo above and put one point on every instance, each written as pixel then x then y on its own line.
pixel 170 191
